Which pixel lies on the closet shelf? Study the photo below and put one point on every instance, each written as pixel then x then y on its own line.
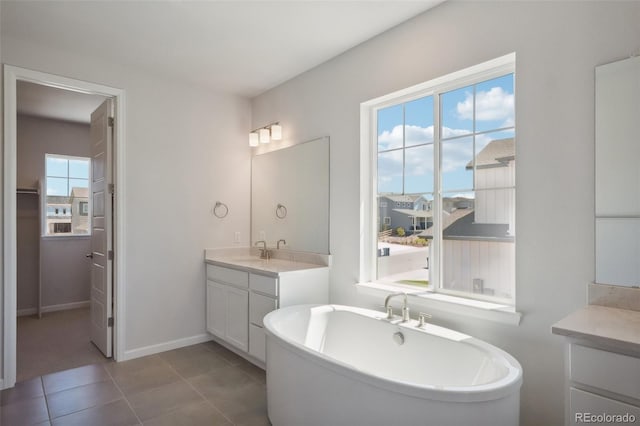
pixel 33 191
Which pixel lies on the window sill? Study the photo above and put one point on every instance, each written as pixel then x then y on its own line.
pixel 64 237
pixel 427 300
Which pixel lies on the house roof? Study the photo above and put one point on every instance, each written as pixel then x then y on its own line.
pixel 402 198
pixel 460 224
pixel 416 213
pixel 79 192
pixel 497 153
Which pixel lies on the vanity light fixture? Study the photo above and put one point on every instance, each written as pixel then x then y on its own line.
pixel 265 134
pixel 253 139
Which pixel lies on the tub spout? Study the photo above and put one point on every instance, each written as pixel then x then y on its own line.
pixel 405 307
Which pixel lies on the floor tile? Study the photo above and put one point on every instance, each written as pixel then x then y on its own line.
pixel 231 357
pixel 247 405
pixel 22 390
pixel 25 412
pixel 117 413
pixel 194 414
pixel 59 341
pixel 68 379
pixel 238 396
pixel 190 364
pixel 254 371
pixel 164 399
pixel 134 365
pixel 221 381
pixel 144 379
pixel 82 397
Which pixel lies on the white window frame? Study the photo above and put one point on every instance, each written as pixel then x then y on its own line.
pixel 43 219
pixel 368 173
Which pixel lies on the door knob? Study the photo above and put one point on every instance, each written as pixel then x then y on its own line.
pixel 89 255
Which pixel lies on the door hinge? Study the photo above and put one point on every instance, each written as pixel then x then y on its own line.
pixel 110 322
pixel 112 121
pixel 110 255
pixel 112 188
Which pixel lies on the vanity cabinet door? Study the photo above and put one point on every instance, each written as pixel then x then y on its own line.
pixel 238 318
pixel 228 313
pixel 216 308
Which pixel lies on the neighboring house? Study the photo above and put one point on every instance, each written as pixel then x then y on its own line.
pixel 410 212
pixel 495 176
pixel 58 219
pixel 484 224
pixel 68 214
pixel 80 210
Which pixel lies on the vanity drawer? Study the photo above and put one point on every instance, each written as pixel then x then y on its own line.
pixel 586 404
pixel 606 370
pixel 259 306
pixel 262 284
pixel 228 276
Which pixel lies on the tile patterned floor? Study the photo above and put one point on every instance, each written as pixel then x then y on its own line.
pixel 203 384
pixel 59 341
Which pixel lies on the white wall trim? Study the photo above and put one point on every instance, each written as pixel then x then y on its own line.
pixel 11 76
pixel 166 346
pixel 55 308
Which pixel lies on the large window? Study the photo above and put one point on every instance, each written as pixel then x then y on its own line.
pixel 67 200
pixel 444 157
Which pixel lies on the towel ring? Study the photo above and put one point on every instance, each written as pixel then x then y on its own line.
pixel 281 211
pixel 220 210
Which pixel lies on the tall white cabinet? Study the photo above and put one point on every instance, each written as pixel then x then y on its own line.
pixel 617 173
pixel 239 296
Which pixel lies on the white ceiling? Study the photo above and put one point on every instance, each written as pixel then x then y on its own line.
pixel 240 47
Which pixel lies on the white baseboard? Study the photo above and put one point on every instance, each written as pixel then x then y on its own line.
pixel 167 346
pixel 54 308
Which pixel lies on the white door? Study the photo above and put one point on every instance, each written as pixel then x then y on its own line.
pixel 101 228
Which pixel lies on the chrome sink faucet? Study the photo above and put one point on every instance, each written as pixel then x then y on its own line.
pixel 264 251
pixel 405 308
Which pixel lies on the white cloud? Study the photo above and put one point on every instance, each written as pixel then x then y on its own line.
pixel 496 104
pixel 457 154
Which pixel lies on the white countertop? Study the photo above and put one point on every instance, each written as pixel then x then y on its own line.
pixel 619 328
pixel 247 260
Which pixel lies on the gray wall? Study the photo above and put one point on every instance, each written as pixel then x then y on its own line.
pixel 558 44
pixel 65 270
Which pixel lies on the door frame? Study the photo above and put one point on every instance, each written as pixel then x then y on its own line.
pixel 12 75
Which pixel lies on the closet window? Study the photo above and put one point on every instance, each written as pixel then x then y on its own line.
pixel 67 200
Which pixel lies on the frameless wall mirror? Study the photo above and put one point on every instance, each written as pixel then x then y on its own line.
pixel 290 197
pixel 617 212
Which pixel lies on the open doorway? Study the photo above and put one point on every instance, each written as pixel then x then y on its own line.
pixel 53 229
pixel 60 206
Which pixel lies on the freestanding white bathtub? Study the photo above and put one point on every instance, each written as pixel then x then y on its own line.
pixel 332 365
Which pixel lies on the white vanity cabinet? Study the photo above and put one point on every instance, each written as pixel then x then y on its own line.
pixel 602 383
pixel 228 305
pixel 238 298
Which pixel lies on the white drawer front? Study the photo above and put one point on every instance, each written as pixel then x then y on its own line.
pixel 606 370
pixel 262 284
pixel 588 408
pixel 228 276
pixel 259 306
pixel 257 345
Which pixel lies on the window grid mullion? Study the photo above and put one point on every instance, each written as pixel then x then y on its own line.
pixel 435 261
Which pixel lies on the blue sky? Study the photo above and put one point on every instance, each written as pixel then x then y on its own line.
pixel 64 174
pixel 494 109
